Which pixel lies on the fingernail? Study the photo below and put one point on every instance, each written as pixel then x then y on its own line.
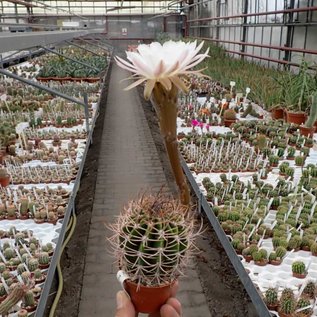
pixel 120 300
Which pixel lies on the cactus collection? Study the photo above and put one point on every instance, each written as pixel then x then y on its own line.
pixel 153 238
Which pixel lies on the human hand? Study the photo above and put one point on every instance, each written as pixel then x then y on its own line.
pixel 125 308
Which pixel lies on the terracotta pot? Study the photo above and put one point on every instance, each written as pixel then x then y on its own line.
pixel 297 275
pixel 296 117
pixel 228 122
pixel 275 262
pixel 307 131
pixel 285 315
pixel 315 125
pixel 148 299
pixel 248 258
pixel 5 181
pixel 272 307
pixel 260 263
pixel 277 113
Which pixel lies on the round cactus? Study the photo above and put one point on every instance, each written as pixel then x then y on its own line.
pixel 2 267
pixel 294 243
pixel 9 253
pixel 310 289
pixel 272 256
pixel 313 248
pixel 257 256
pixel 26 277
pixel 287 305
pixel 28 299
pixel 38 274
pixel 21 268
pixel 304 302
pixel 25 257
pixel 298 267
pixel 43 258
pixel 271 297
pixel 24 205
pixel 280 252
pixel 152 239
pixel 33 264
pixel 6 274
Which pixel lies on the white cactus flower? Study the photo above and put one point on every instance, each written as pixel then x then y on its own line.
pixel 164 64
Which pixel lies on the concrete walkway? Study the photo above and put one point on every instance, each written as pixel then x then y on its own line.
pixel 128 163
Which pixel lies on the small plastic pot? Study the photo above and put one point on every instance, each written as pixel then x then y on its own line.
pixel 148 299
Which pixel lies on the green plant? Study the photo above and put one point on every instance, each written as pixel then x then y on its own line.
pixel 304 302
pixel 9 253
pixel 152 239
pixel 313 248
pixel 33 264
pixel 299 160
pixel 312 118
pixel 280 252
pixel 287 305
pixel 298 267
pixel 310 289
pixel 271 297
pixel 28 299
pixel 230 114
pixel 294 243
pixel 290 152
pixel 14 297
pixel 43 258
pixel 3 291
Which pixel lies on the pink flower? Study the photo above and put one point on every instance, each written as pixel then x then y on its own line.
pixel 195 123
pixel 200 124
pixel 207 127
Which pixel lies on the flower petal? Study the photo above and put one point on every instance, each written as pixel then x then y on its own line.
pixel 136 83
pixel 149 88
pixel 179 83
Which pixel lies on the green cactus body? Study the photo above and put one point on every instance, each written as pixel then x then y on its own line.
pixel 312 118
pixel 153 238
pixel 287 305
pixel 2 267
pixel 26 277
pixel 28 299
pixel 299 267
pixel 13 298
pixel 313 248
pixel 44 258
pixel 9 253
pixel 304 302
pixel 38 274
pixel 310 289
pixel 271 297
pixel 21 268
pixel 33 264
pixel 3 291
pixel 280 252
pixel 24 205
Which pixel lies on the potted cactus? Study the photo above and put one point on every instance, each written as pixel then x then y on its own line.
pixel 310 290
pixel 300 160
pixel 152 241
pixel 287 306
pixel 260 257
pixel 290 153
pixel 308 128
pixel 299 269
pixel 229 117
pixel 313 248
pixel 271 299
pixel 4 177
pixel 304 307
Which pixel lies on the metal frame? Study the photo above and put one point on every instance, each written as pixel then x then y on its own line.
pixel 258 30
pixel 234 259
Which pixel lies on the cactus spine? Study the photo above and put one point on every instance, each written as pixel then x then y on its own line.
pixel 33 264
pixel 28 299
pixel 271 297
pixel 298 267
pixel 151 239
pixel 44 258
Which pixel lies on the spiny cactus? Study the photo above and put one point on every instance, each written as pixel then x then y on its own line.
pixel 313 248
pixel 312 118
pixel 230 114
pixel 13 298
pixel 33 264
pixel 304 302
pixel 310 289
pixel 28 299
pixel 9 253
pixel 2 267
pixel 271 297
pixel 299 267
pixel 21 268
pixel 280 252
pixel 43 258
pixel 3 291
pixel 38 274
pixel 6 274
pixel 24 205
pixel 26 277
pixel 287 305
pixel 152 239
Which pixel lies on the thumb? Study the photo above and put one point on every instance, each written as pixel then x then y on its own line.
pixel 125 307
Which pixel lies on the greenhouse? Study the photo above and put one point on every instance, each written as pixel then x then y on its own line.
pixel 158 158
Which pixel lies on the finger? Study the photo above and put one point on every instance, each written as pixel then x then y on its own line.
pixel 175 304
pixel 168 311
pixel 174 289
pixel 125 307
